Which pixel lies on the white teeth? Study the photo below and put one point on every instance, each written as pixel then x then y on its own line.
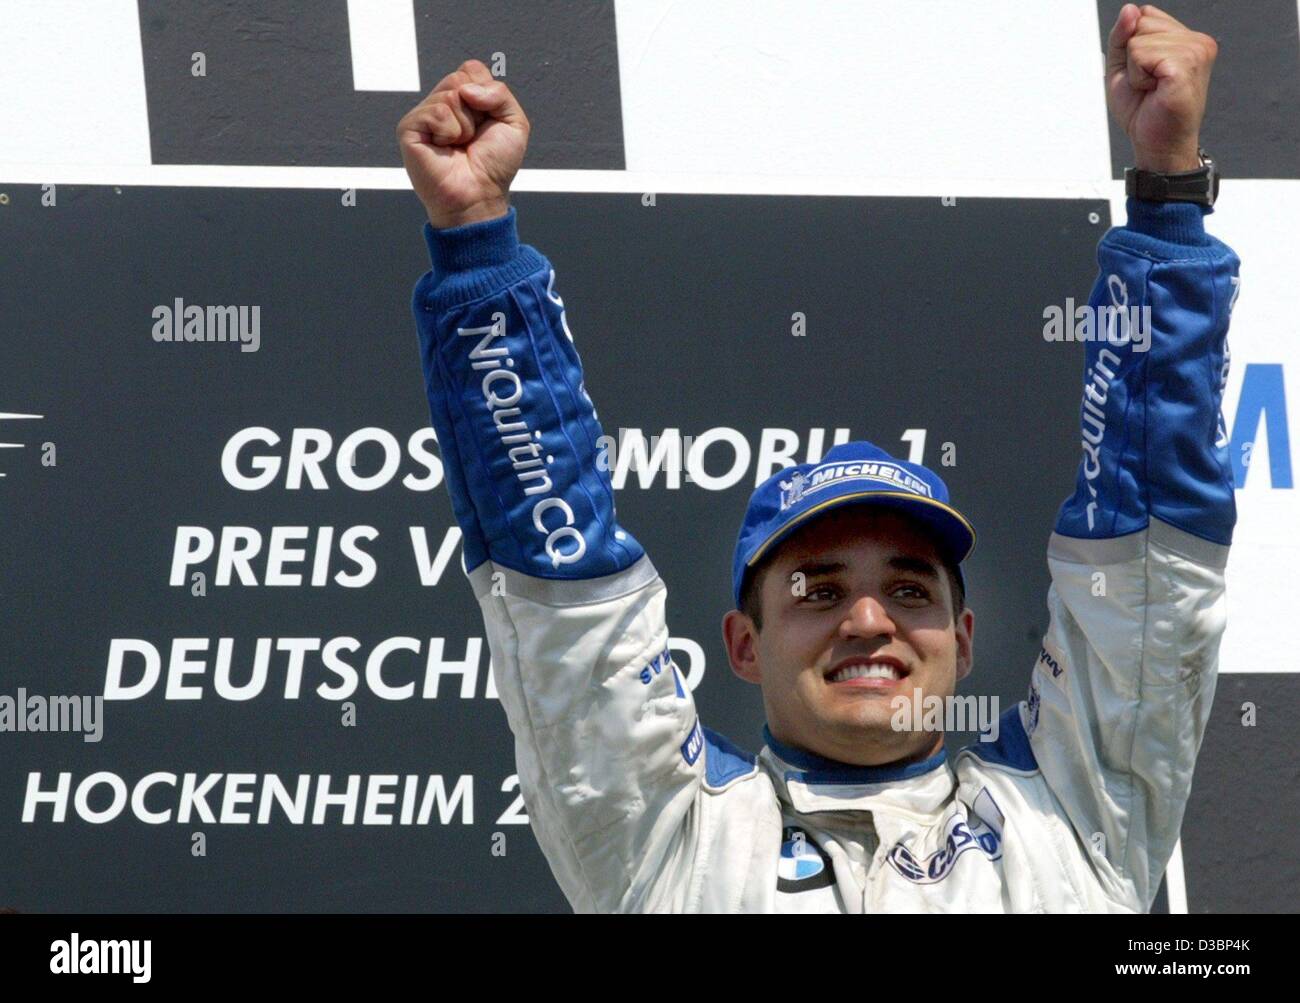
pixel 861 670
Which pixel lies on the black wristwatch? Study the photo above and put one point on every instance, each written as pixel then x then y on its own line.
pixel 1200 186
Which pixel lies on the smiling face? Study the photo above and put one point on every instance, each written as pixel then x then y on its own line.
pixel 857 610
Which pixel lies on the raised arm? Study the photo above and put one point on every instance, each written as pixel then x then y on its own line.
pixel 1121 693
pixel 609 751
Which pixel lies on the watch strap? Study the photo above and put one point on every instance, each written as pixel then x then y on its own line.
pixel 1200 186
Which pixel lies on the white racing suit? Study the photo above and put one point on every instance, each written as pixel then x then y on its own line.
pixel 639 808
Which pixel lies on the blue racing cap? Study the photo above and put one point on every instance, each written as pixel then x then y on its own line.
pixel 854 473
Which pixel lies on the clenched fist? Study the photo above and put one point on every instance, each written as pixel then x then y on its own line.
pixel 1157 79
pixel 462 146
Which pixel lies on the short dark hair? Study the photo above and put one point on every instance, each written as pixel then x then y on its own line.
pixel 751 594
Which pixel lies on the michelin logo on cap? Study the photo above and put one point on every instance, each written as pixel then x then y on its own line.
pixel 800 486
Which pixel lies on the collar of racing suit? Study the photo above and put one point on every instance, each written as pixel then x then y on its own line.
pixel 812 783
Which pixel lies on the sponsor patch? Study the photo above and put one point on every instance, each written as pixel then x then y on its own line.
pixel 962 834
pixel 889 475
pixel 802 865
pixel 1052 666
pixel 693 745
pixel 657 665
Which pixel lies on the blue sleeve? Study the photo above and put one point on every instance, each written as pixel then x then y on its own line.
pixel 516 429
pixel 1152 433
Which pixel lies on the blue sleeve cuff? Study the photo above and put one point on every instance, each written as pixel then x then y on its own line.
pixel 474 245
pixel 474 260
pixel 1172 222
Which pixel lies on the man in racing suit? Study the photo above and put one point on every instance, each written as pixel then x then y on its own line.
pixel 637 806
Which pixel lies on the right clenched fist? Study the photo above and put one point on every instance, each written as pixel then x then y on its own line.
pixel 462 146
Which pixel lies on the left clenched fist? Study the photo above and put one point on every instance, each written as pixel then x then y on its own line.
pixel 1157 78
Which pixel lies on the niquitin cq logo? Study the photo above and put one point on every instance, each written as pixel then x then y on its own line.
pixel 503 390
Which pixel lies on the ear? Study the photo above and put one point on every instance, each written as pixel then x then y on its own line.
pixel 965 630
pixel 741 640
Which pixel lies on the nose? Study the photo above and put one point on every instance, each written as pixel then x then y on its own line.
pixel 867 617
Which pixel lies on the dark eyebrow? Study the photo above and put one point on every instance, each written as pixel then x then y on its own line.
pixel 916 565
pixel 811 569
